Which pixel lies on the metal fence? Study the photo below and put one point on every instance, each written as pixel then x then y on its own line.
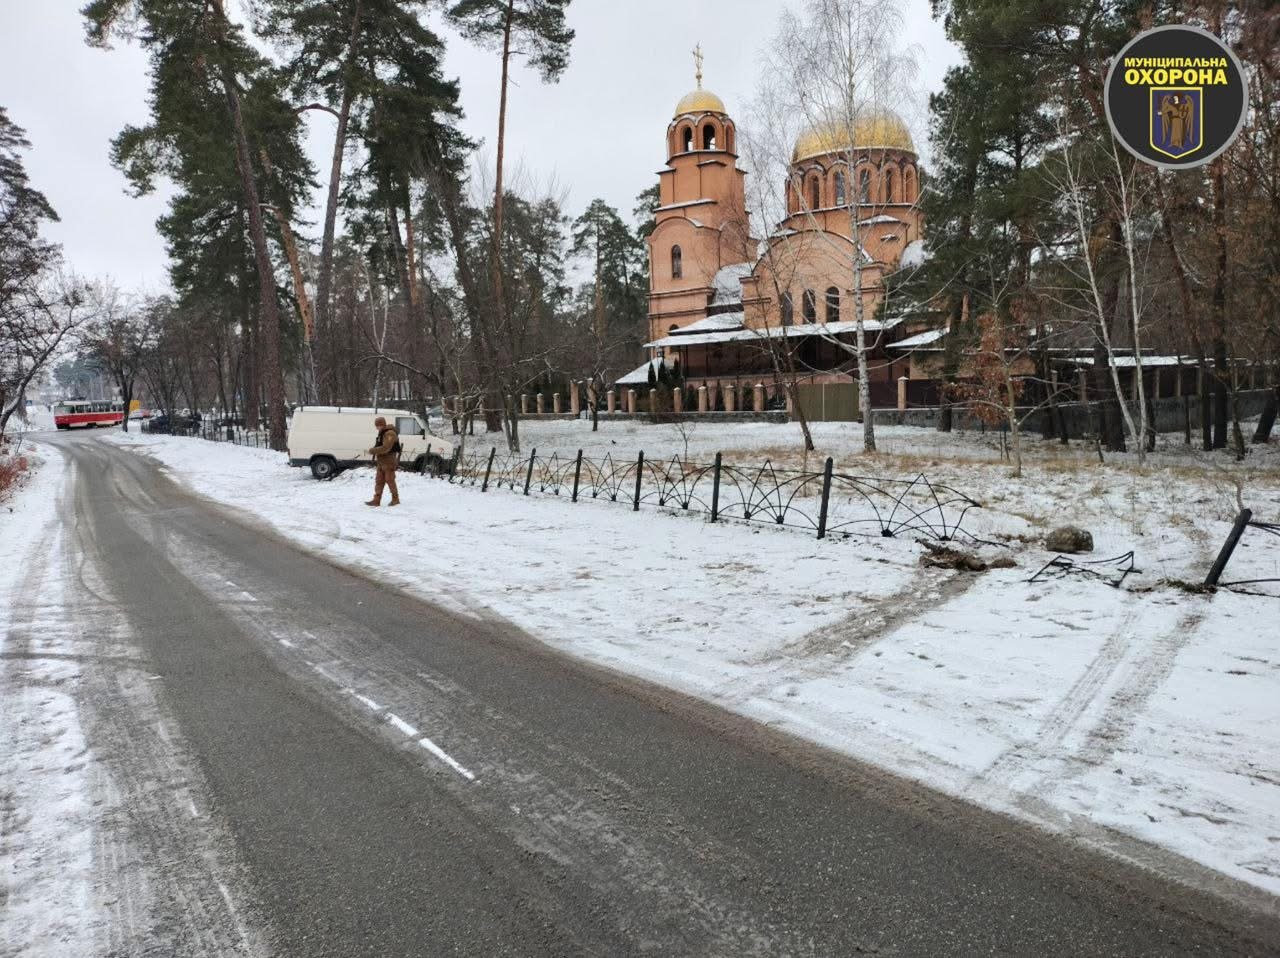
pixel 1244 521
pixel 827 503
pixel 212 431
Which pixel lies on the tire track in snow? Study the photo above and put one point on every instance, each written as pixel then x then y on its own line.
pixel 1116 688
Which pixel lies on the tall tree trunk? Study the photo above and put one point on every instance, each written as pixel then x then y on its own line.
pixel 1267 421
pixel 305 314
pixel 1111 418
pixel 324 279
pixel 269 314
pixel 496 399
pixel 252 387
pixel 860 338
pixel 1219 304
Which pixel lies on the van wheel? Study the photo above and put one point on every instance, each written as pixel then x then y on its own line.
pixel 324 467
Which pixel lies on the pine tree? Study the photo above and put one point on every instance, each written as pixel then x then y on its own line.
pixel 194 43
pixel 376 66
pixel 537 30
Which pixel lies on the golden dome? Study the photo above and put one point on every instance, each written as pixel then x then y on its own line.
pixel 880 130
pixel 699 101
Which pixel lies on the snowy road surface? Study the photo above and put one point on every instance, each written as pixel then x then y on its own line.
pixel 213 743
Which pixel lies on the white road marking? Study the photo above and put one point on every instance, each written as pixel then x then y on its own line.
pixel 235 913
pixel 195 812
pixel 321 671
pixel 247 596
pixel 402 725
pixel 367 702
pixel 448 759
pixel 286 643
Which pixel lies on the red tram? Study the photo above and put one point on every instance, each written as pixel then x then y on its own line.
pixel 75 413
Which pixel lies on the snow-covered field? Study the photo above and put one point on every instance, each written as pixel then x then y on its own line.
pixel 1112 714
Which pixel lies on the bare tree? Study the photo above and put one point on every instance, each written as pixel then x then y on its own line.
pixel 844 63
pixel 116 340
pixel 1069 181
pixel 35 322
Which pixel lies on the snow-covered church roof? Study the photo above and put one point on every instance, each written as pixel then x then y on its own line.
pixel 712 324
pixel 640 375
pixel 914 254
pixel 727 284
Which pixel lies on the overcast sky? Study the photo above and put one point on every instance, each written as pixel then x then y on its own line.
pixel 600 131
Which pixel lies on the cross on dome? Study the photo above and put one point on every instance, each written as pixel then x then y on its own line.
pixel 699 100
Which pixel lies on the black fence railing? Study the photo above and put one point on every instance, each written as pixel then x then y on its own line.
pixel 211 430
pixel 1244 521
pixel 826 503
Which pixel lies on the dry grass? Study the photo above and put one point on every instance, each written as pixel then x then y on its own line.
pixel 12 469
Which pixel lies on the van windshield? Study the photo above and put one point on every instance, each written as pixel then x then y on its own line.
pixel 409 426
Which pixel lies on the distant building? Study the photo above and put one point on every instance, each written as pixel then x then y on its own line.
pixel 714 286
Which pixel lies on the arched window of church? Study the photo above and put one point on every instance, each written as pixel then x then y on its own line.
pixel 686 139
pixel 677 263
pixel 864 186
pixel 709 136
pixel 815 192
pixel 841 199
pixel 728 137
pixel 810 306
pixel 889 187
pixel 788 309
pixel 909 185
pixel 833 304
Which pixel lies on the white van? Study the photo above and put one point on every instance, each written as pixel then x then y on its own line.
pixel 329 439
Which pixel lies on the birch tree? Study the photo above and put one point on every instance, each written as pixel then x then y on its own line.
pixel 844 64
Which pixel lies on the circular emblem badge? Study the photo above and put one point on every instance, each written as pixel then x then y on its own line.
pixel 1175 97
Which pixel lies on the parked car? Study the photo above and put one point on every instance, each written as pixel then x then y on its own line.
pixel 177 426
pixel 329 439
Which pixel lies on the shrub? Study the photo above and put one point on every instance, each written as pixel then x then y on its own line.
pixel 11 470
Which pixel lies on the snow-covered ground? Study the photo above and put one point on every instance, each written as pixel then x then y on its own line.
pixel 46 852
pixel 95 784
pixel 1112 714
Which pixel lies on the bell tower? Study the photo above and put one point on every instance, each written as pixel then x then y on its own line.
pixel 701 223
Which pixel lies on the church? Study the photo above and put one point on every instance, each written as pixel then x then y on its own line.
pixel 724 304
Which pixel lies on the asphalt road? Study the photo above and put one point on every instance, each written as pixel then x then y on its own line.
pixel 344 770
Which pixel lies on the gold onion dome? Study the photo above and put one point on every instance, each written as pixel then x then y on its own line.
pixel 880 130
pixel 699 101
